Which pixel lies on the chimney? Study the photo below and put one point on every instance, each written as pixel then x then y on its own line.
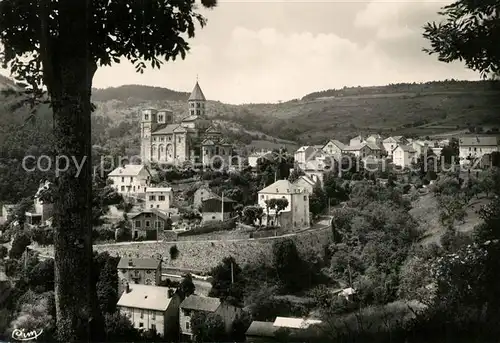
pixel 130 262
pixel 170 293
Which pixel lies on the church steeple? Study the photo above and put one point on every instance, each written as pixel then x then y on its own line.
pixel 196 101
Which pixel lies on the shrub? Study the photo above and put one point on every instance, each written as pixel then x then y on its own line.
pixel 3 252
pixel 102 234
pixel 42 236
pixel 211 226
pixel 19 245
pixel 123 234
pixel 174 252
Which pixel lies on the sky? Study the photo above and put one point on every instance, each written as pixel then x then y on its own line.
pixel 270 51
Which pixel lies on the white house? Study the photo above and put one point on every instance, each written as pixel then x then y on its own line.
pixel 375 139
pixel 356 141
pixel 305 154
pixel 403 156
pixel 159 198
pixel 472 147
pixel 334 147
pixel 152 308
pixel 420 146
pixel 363 150
pixel 43 209
pixel 306 183
pixel 389 145
pixel 198 304
pixel 296 214
pixel 253 158
pixel 131 179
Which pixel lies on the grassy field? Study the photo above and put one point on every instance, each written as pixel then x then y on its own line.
pixel 425 210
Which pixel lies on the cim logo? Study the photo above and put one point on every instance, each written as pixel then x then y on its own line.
pixel 22 335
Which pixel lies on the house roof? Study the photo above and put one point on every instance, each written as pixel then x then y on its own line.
pixel 190 118
pixel 307 179
pixel 165 129
pixel 138 263
pixel 213 196
pixel 295 323
pixel 262 329
pixel 339 144
pixel 197 93
pixel 199 303
pixel 303 148
pixel 391 140
pixel 358 137
pixel 372 146
pixel 353 147
pixel 154 211
pixel 128 170
pixel 406 148
pixel 375 135
pixel 146 297
pixel 281 187
pixel 480 141
pixel 158 189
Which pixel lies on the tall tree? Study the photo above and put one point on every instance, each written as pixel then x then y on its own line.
pixel 61 43
pixel 469 32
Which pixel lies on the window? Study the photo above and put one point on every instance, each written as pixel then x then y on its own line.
pixel 277 190
pixel 153 316
pixel 262 196
pixel 147 223
pixel 142 314
pixel 162 139
pixel 197 105
pixel 151 206
pixel 160 117
pixel 148 271
pixel 153 327
pixel 198 112
pixel 158 224
pixel 123 179
pixel 179 139
pixel 157 206
pixel 152 198
pixel 305 197
pixel 169 138
pixel 161 198
pixel 137 223
pixel 154 139
pixel 187 326
pixel 146 117
pixel 141 325
pixel 475 149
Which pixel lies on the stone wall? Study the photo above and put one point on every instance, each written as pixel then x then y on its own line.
pixel 204 255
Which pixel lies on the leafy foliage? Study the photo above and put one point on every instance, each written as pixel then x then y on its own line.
pixel 207 327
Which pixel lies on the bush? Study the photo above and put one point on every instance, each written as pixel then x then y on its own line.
pixel 3 252
pixel 19 245
pixel 123 234
pixel 102 234
pixel 43 236
pixel 211 226
pixel 174 252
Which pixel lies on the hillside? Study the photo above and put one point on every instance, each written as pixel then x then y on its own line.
pixel 433 108
pixel 411 109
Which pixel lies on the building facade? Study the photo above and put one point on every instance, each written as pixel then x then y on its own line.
pixel 296 214
pixel 149 224
pixel 130 179
pixel 474 147
pixel 404 156
pixel 159 198
pixel 151 308
pixel 196 303
pixel 164 141
pixel 144 271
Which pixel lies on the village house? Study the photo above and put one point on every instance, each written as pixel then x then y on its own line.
pixel 375 139
pixel 306 183
pixel 356 141
pixel 196 304
pixel 361 151
pixel 296 214
pixel 420 146
pixel 305 154
pixel 217 208
pixel 145 271
pixel 473 147
pixel 390 143
pixel 404 156
pixel 202 193
pixel 130 179
pixel 151 308
pixel 149 223
pixel 43 208
pixel 253 158
pixel 334 148
pixel 300 329
pixel 159 198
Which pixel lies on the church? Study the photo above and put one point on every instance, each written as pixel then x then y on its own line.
pixel 193 140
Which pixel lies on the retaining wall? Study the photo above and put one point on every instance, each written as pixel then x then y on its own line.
pixel 204 255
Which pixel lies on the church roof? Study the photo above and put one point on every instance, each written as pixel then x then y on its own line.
pixel 190 118
pixel 207 142
pixel 197 94
pixel 165 129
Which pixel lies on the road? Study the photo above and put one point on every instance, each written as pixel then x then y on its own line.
pixel 202 287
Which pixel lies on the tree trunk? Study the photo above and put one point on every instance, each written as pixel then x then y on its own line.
pixel 69 86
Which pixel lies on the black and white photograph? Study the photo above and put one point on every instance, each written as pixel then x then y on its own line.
pixel 250 171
